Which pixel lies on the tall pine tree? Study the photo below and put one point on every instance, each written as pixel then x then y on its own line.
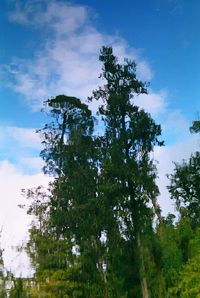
pixel 127 169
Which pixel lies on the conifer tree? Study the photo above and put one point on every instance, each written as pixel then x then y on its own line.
pixel 127 170
pixel 75 211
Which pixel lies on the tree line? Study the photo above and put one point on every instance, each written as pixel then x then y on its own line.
pixel 98 230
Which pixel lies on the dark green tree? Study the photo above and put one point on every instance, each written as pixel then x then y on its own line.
pixel 128 173
pixel 195 128
pixel 75 210
pixel 185 188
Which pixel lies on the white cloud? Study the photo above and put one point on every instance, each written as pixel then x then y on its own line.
pixel 154 103
pixel 18 17
pixel 14 220
pixel 144 71
pixel 55 14
pixel 21 146
pixel 32 163
pixel 25 137
pixel 175 122
pixel 67 62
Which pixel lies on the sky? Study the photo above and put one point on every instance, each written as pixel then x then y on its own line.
pixel 51 47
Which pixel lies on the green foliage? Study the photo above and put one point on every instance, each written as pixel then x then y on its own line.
pixel 185 188
pixel 18 288
pixel 195 128
pixel 188 281
pixel 128 172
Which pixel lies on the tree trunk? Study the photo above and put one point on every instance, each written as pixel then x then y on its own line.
pixel 143 279
pixel 100 267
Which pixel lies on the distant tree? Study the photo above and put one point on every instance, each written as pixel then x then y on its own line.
pixel 185 187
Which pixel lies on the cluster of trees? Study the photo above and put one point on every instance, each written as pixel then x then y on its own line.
pixel 98 230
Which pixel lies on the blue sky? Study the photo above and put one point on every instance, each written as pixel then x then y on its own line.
pixel 51 47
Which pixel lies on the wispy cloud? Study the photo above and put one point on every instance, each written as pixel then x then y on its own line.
pixel 176 123
pixel 67 61
pixel 25 137
pixel 63 18
pixel 21 146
